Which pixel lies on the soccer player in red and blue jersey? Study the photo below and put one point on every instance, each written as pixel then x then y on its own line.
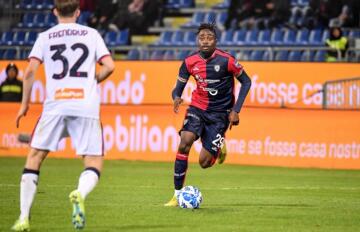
pixel 213 108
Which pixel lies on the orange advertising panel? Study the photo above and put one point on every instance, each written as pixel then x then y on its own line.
pixel 271 137
pixel 276 84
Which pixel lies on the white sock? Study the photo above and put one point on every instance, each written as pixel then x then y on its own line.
pixel 28 188
pixel 87 182
pixel 177 192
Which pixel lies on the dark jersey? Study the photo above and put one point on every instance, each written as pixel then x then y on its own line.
pixel 11 91
pixel 214 79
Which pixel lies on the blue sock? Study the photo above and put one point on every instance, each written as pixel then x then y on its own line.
pixel 181 164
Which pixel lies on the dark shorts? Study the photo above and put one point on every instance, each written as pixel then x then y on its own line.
pixel 209 126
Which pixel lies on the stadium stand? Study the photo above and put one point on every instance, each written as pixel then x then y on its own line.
pixel 292 41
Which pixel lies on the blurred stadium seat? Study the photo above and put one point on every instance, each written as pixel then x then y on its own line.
pixel 289 37
pixel 197 18
pixel 281 56
pixel 9 54
pixel 7 38
pixel 266 56
pixel 319 56
pixel 302 37
pixel 251 37
pixel 189 38
pixel 183 54
pixel 83 18
pixel 177 38
pixel 223 5
pixel 294 56
pixel 30 37
pixel 277 37
pixel 157 55
pixel 175 4
pixel 256 55
pixel 169 55
pixel 264 37
pixel 226 38
pixel 133 54
pixel 27 20
pixel 119 38
pixel 165 38
pixel 315 37
pixel 19 38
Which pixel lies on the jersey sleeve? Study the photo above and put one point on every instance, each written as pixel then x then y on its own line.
pixel 184 73
pixel 182 79
pixel 101 49
pixel 234 67
pixel 37 51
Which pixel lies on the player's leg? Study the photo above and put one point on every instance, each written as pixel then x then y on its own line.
pixel 222 153
pixel 190 132
pixel 181 163
pixel 86 134
pixel 46 136
pixel 91 174
pixel 206 158
pixel 213 139
pixel 87 182
pixel 28 187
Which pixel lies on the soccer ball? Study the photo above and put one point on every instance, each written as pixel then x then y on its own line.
pixel 190 197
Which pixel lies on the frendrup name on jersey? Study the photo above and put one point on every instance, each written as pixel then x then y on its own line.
pixel 67 32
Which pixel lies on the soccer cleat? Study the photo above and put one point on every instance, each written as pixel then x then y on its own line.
pixel 172 203
pixel 21 225
pixel 78 215
pixel 222 154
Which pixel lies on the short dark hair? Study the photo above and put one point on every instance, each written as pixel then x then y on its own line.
pixel 11 66
pixel 208 26
pixel 66 8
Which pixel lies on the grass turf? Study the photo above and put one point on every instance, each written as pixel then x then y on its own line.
pixel 130 197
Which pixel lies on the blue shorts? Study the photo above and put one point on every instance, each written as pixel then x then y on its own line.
pixel 209 126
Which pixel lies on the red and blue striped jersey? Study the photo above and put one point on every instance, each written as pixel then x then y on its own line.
pixel 214 79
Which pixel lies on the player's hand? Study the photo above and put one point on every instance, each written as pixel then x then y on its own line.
pixel 22 112
pixel 177 103
pixel 233 118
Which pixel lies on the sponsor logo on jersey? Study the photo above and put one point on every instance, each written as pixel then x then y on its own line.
pixel 67 93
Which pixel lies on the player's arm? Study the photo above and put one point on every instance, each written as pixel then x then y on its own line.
pixel 182 79
pixel 106 69
pixel 243 92
pixel 28 81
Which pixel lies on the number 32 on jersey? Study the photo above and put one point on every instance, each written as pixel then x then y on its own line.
pixel 74 70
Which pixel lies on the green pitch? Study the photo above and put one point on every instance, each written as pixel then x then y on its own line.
pixel 131 195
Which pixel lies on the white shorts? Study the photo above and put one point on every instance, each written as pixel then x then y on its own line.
pixel 85 133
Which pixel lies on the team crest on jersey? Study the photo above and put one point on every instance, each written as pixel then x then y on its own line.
pixel 217 68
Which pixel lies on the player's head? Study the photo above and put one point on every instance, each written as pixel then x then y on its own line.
pixel 11 71
pixel 67 8
pixel 207 37
pixel 335 33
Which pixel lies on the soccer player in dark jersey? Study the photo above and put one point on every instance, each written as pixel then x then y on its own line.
pixel 213 108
